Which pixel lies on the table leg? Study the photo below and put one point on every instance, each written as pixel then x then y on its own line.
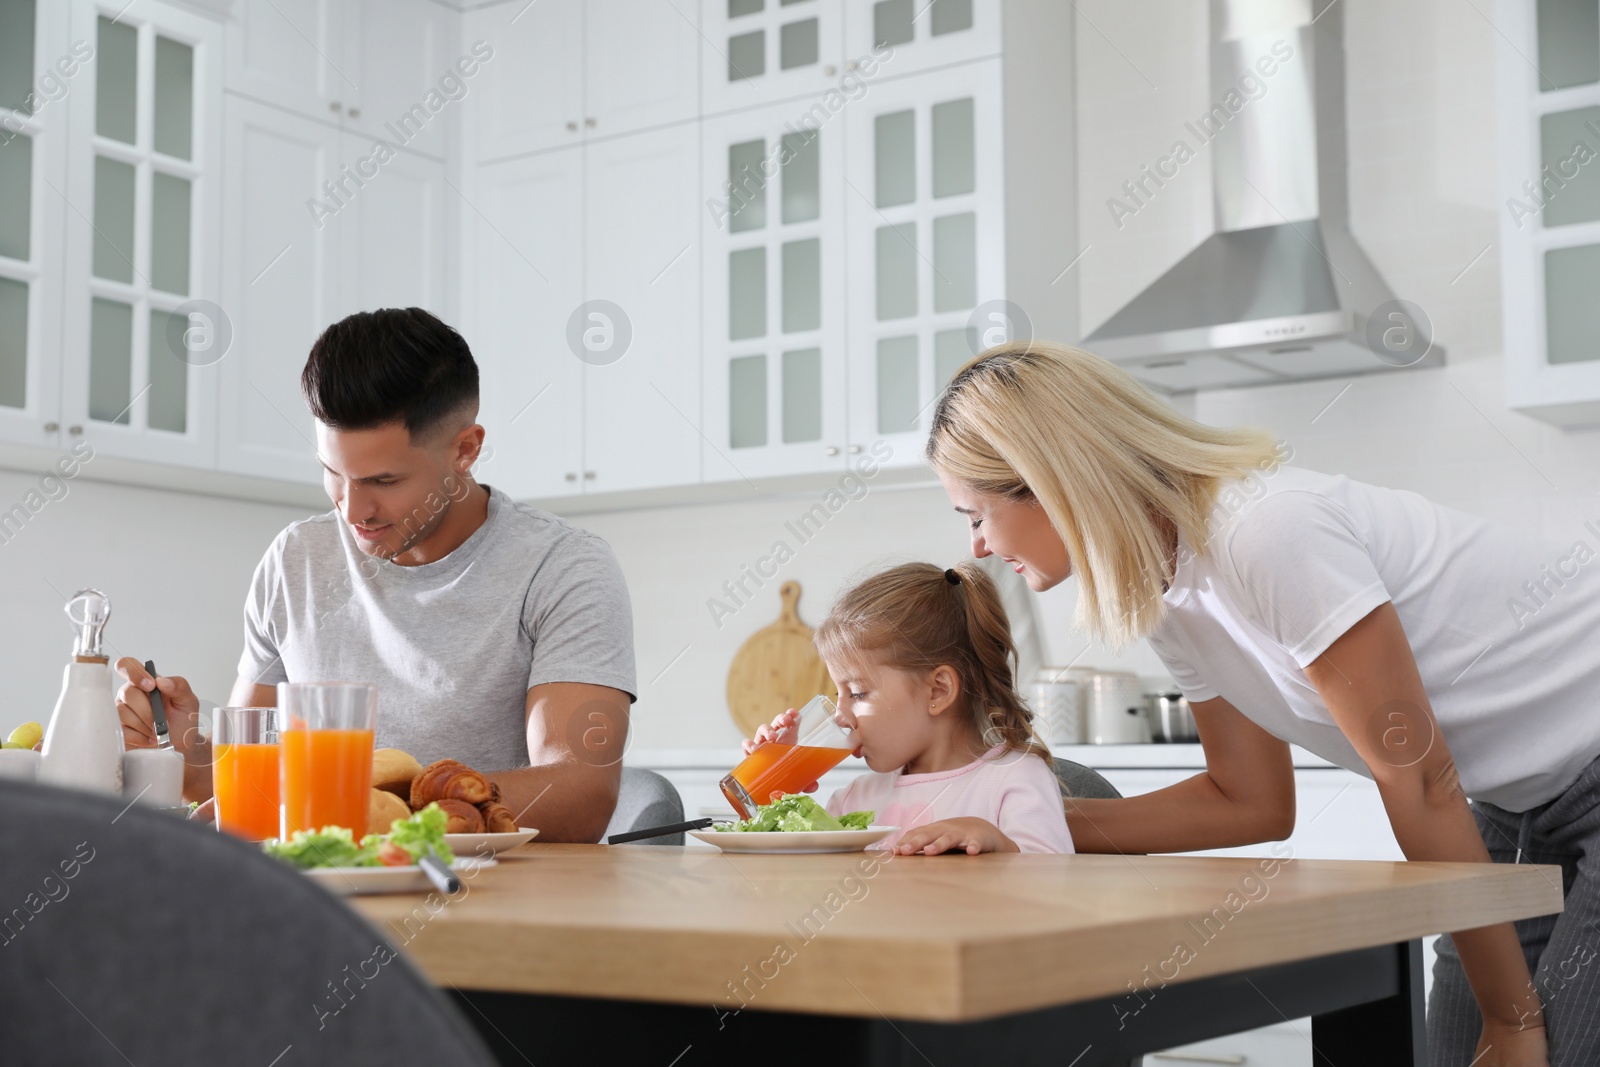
pixel 1389 1032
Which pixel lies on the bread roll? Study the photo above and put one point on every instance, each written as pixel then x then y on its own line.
pixel 464 817
pixel 393 769
pixel 498 818
pixel 383 809
pixel 448 779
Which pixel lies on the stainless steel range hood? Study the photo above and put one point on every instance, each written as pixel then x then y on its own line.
pixel 1281 291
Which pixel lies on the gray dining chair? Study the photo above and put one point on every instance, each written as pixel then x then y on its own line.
pixel 1083 782
pixel 135 936
pixel 646 799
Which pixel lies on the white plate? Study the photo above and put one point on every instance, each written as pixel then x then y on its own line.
pixel 350 881
pixel 473 844
pixel 797 841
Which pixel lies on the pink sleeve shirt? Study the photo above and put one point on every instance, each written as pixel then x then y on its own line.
pixel 1018 792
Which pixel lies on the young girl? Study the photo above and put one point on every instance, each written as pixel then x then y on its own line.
pixel 922 658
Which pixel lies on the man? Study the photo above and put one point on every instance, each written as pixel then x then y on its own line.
pixel 497 634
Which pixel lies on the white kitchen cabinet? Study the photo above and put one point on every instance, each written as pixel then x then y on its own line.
pixel 925 206
pixel 33 166
pixel 762 51
pixel 641 411
pixel 1549 86
pixel 774 300
pixel 281 285
pixel 139 357
pixel 524 262
pixel 641 65
pixel 567 71
pixel 287 53
pixel 395 236
pixel 918 35
pixel 379 68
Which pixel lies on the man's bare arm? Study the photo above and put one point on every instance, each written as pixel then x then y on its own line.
pixel 576 736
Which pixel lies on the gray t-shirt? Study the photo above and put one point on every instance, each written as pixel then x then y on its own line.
pixel 454 645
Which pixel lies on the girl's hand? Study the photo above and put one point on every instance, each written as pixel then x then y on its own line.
pixel 973 835
pixel 785 730
pixel 1505 1044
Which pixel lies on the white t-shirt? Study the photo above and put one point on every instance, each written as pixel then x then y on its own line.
pixel 1505 626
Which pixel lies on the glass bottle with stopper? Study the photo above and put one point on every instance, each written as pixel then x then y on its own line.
pixel 83 743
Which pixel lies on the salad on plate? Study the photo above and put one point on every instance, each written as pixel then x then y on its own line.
pixel 335 846
pixel 796 813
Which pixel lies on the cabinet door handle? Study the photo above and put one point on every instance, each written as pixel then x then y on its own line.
pixel 75 430
pixel 51 427
pixel 852 65
pixel 1195 1057
pixel 333 106
pixel 588 476
pixel 831 450
pixel 354 112
pixel 572 127
pixel 855 450
pixel 590 122
pixel 829 71
pixel 571 477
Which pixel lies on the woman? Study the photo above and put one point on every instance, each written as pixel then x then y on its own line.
pixel 1443 656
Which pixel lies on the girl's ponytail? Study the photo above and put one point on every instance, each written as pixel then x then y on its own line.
pixel 1003 718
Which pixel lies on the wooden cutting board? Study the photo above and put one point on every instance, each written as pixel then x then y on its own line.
pixel 776 668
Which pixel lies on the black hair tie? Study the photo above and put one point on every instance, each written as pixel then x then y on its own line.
pixel 952 577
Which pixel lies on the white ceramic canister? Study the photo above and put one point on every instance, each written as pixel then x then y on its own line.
pixel 1057 703
pixel 1116 710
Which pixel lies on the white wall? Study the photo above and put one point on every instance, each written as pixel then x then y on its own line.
pixel 176 567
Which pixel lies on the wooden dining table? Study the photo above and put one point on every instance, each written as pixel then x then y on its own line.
pixel 673 956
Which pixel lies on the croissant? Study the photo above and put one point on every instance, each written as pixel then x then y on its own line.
pixel 448 779
pixel 498 818
pixel 464 817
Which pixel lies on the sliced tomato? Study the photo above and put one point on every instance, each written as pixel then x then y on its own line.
pixel 392 855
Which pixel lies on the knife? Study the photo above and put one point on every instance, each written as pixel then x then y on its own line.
pixel 157 708
pixel 439 873
pixel 659 831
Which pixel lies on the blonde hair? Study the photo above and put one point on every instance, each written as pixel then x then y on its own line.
pixel 1110 463
pixel 914 618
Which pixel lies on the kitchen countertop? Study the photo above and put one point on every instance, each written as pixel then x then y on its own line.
pixel 1100 757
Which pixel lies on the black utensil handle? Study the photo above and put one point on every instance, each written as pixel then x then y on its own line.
pixel 442 877
pixel 158 709
pixel 658 831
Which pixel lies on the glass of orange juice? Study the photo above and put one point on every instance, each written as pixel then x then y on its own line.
pixel 325 732
pixel 819 743
pixel 244 771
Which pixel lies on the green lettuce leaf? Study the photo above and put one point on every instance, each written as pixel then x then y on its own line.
pixel 796 812
pixel 335 846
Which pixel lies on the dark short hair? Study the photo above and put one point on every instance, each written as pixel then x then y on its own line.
pixel 392 365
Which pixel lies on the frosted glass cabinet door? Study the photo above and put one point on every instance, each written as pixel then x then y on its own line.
pixel 33 35
pixel 907 36
pixel 925 213
pixel 760 51
pixel 140 371
pixel 772 240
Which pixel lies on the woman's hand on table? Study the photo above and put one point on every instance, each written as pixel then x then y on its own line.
pixel 1506 1044
pixel 970 835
